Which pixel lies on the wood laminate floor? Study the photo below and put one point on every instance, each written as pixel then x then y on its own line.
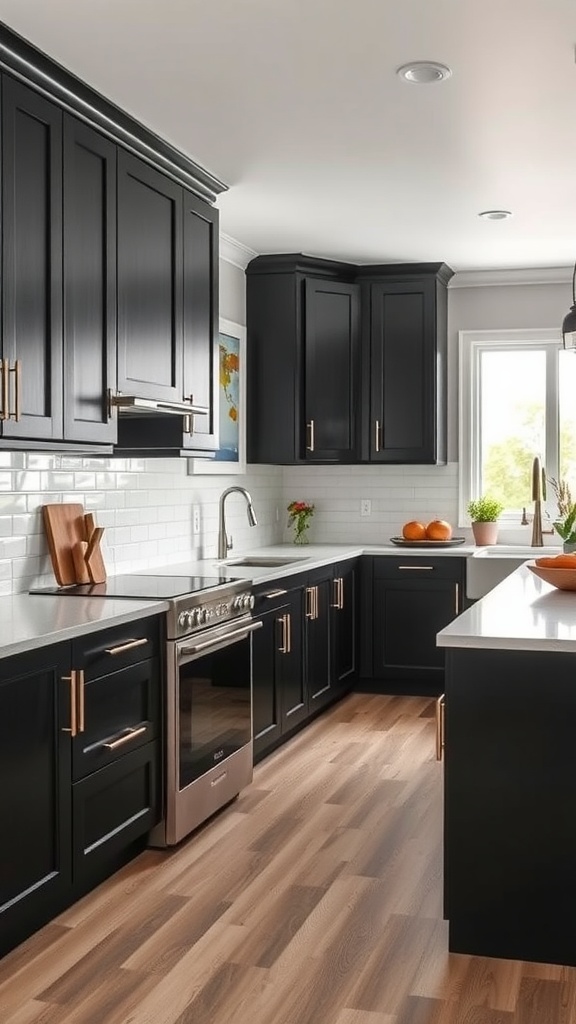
pixel 315 898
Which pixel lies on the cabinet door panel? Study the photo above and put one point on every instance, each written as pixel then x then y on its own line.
pixel 112 809
pixel 89 283
pixel 201 320
pixel 266 686
pixel 149 282
pixel 294 706
pixel 32 258
pixel 407 617
pixel 332 321
pixel 320 687
pixel 403 372
pixel 35 848
pixel 344 610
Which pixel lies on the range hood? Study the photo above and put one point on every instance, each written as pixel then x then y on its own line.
pixel 132 404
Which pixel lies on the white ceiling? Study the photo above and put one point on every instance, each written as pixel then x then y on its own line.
pixel 295 104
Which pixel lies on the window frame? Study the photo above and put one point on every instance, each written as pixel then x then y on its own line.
pixel 471 344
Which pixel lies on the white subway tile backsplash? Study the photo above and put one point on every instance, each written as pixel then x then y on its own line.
pixel 146 507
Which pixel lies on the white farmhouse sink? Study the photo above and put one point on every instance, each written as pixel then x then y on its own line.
pixel 489 566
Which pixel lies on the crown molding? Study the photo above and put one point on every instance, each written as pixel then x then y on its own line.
pixel 235 252
pixel 526 276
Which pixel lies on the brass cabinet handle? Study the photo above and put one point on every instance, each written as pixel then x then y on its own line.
pixel 4 412
pixel 377 435
pixel 188 421
pixel 339 593
pixel 80 690
pixel 73 730
pixel 316 603
pixel 284 644
pixel 456 598
pixel 274 593
pixel 310 429
pixel 418 568
pixel 289 632
pixel 440 718
pixel 310 603
pixel 128 646
pixel 130 734
pixel 17 371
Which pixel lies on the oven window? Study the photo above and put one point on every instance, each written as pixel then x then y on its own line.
pixel 215 709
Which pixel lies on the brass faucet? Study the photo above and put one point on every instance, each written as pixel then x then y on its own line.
pixel 538 496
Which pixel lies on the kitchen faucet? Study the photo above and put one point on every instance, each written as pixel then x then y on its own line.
pixel 225 543
pixel 538 496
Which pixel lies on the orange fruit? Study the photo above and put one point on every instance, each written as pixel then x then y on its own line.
pixel 564 562
pixel 438 529
pixel 414 530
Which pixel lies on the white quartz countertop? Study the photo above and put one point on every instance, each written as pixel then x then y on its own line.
pixel 30 620
pixel 523 613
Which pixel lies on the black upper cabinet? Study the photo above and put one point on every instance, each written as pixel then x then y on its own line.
pixel 405 338
pixel 315 393
pixel 201 320
pixel 89 283
pixel 32 264
pixel 303 320
pixel 149 282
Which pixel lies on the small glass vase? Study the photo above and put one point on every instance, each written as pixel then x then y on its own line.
pixel 569 547
pixel 301 532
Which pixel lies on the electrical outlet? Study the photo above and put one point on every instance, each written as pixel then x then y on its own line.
pixel 277 514
pixel 196 520
pixel 365 507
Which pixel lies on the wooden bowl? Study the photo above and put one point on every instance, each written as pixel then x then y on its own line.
pixel 563 579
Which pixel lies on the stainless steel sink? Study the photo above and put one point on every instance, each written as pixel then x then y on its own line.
pixel 263 562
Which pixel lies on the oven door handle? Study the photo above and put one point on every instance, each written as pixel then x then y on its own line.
pixel 224 638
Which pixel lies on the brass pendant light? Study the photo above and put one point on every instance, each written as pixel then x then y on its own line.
pixel 569 325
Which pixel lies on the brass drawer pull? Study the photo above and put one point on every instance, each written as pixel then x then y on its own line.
pixel 131 734
pixel 310 603
pixel 283 621
pixel 128 646
pixel 289 632
pixel 377 435
pixel 440 718
pixel 73 730
pixel 418 568
pixel 310 429
pixel 456 598
pixel 80 689
pixel 274 593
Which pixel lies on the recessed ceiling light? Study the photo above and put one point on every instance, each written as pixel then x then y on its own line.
pixel 495 214
pixel 424 72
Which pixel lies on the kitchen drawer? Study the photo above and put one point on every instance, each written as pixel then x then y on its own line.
pixel 112 649
pixel 121 712
pixel 418 567
pixel 112 809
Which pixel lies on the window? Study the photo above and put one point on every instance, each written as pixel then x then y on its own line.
pixel 517 400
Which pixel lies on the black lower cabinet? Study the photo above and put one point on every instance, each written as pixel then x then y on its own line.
pixel 304 656
pixel 510 793
pixel 280 700
pixel 35 796
pixel 80 762
pixel 406 602
pixel 113 809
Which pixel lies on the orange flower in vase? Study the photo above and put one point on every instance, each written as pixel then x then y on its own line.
pixel 299 514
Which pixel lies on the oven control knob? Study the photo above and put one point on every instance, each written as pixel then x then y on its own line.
pixel 251 601
pixel 246 601
pixel 184 619
pixel 237 603
pixel 203 616
pixel 194 617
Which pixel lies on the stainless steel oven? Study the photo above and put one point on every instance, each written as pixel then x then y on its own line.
pixel 208 708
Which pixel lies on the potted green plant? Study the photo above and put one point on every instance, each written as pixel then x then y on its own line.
pixel 565 525
pixel 484 512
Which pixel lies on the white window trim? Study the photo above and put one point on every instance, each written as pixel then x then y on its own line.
pixel 470 345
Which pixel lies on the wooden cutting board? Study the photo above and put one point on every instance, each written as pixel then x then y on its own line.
pixel 64 525
pixel 93 557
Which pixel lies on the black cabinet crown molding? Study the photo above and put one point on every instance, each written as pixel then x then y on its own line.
pixel 26 62
pixel 297 262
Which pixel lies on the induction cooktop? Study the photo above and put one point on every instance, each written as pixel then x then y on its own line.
pixel 139 587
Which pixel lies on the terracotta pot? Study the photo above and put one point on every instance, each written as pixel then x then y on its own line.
pixel 485 533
